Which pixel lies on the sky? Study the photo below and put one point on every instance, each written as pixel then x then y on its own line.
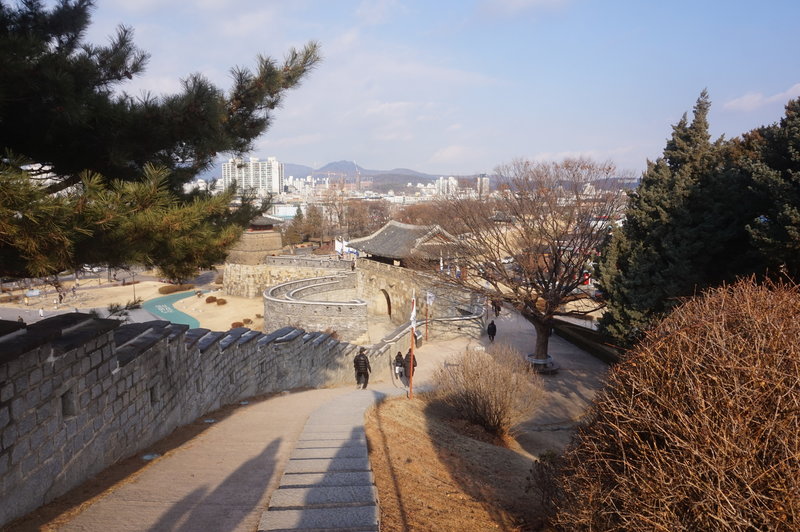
pixel 458 87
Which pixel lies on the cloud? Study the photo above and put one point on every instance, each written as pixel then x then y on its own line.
pixel 374 12
pixel 512 7
pixel 755 100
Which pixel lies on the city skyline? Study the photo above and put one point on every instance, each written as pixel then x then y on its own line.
pixel 457 88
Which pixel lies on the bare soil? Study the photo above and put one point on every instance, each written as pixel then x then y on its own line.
pixel 435 472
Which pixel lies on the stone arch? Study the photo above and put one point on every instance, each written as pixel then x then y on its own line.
pixel 388 302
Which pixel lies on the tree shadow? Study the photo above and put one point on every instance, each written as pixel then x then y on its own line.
pixel 68 506
pixel 227 504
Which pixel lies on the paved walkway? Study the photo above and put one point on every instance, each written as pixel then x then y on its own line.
pixel 298 461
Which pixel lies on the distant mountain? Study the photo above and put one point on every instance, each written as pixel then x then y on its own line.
pixel 297 170
pixel 346 169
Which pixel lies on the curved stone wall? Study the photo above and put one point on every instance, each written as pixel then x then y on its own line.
pixel 293 304
pixel 250 280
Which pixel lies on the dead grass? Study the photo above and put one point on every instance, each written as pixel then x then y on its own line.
pixel 435 472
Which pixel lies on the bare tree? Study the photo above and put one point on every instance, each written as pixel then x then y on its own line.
pixel 530 243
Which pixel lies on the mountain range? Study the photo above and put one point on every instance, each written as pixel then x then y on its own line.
pixel 349 170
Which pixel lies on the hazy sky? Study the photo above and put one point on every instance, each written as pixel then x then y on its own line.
pixel 460 86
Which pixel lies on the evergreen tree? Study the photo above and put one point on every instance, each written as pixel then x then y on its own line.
pixel 653 258
pixel 62 113
pixel 314 222
pixel 776 178
pixel 295 230
pixel 117 223
pixel 60 104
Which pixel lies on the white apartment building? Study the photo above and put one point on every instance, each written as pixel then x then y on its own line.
pixel 263 177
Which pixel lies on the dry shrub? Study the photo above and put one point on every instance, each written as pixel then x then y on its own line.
pixel 237 324
pixel 259 316
pixel 247 321
pixel 172 288
pixel 211 299
pixel 494 389
pixel 699 429
pixel 221 301
pixel 333 333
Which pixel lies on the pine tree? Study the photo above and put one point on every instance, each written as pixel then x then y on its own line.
pixel 61 107
pixel 104 172
pixel 652 259
pixel 776 178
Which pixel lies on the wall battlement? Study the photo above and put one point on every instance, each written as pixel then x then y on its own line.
pixel 78 393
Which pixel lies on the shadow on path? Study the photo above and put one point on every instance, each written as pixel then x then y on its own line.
pixel 225 506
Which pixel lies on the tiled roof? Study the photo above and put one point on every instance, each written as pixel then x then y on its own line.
pixel 397 240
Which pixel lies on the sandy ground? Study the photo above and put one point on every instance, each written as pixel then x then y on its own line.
pixel 222 317
pixel 94 293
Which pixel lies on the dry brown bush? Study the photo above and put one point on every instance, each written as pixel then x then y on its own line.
pixel 172 288
pixel 495 389
pixel 699 429
pixel 211 299
pixel 247 321
pixel 237 324
pixel 221 301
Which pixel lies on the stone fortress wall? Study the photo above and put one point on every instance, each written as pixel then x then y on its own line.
pixel 250 280
pixel 300 303
pixel 78 393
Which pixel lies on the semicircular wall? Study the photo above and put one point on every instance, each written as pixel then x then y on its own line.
pixel 303 303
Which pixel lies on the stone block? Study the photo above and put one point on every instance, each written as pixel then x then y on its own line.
pixel 18 407
pixel 20 450
pixel 6 392
pixel 5 416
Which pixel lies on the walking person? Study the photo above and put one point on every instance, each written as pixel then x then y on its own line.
pixel 362 367
pixel 491 330
pixel 496 307
pixel 398 364
pixel 409 369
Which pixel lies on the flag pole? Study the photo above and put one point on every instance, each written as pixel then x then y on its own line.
pixel 413 341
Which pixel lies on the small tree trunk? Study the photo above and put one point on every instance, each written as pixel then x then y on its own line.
pixel 542 338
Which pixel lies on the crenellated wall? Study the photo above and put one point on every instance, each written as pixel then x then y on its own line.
pixel 80 393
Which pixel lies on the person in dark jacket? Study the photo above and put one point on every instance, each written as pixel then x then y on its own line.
pixel 407 363
pixel 398 364
pixel 491 330
pixel 361 365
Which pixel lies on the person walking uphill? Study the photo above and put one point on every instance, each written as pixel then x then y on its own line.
pixel 491 330
pixel 398 364
pixel 409 369
pixel 361 364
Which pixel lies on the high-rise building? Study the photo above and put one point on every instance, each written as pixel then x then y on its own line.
pixel 262 177
pixel 482 186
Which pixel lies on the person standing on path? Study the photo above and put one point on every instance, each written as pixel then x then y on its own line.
pixel 361 364
pixel 491 330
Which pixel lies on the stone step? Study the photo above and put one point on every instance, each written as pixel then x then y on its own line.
pixel 329 478
pixel 322 497
pixel 361 518
pixel 321 465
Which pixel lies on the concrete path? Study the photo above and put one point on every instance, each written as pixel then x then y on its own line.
pixel 298 461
